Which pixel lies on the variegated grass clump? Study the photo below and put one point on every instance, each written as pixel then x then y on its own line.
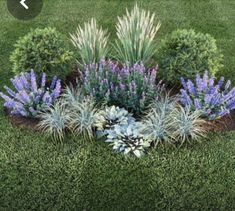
pixel 54 120
pixel 168 122
pixel 136 32
pixel 188 125
pixel 85 118
pixel 91 42
pixel 72 112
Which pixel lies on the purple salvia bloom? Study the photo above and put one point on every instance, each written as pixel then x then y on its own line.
pixel 57 90
pixel 221 81
pixel 9 91
pixel 24 96
pixel 53 83
pixel 43 81
pixel 183 83
pixel 208 98
pixel 28 94
pixel 197 104
pixel 47 98
pixel 211 81
pixel 191 87
pixel 33 81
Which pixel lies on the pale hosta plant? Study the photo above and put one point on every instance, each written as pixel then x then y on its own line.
pixel 91 42
pixel 128 139
pixel 54 120
pixel 136 32
pixel 112 116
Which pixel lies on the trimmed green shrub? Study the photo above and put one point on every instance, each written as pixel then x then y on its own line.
pixel 185 53
pixel 43 50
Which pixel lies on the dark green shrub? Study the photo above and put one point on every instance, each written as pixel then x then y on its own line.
pixel 43 50
pixel 185 53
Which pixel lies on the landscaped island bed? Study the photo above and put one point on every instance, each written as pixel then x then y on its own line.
pixel 137 116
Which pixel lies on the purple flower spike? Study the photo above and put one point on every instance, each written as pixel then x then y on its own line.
pixel 208 96
pixel 29 98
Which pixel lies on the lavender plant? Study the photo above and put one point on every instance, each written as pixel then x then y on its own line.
pixel 132 88
pixel 31 94
pixel 214 99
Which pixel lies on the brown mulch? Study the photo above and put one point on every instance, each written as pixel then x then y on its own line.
pixel 24 122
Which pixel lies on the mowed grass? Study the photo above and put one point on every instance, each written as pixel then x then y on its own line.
pixel 37 173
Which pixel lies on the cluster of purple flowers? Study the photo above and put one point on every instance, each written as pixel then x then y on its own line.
pixel 29 98
pixel 133 88
pixel 215 99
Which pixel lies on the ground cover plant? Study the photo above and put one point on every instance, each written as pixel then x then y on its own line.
pixel 76 175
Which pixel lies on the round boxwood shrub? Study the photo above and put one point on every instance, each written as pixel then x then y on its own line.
pixel 184 53
pixel 43 50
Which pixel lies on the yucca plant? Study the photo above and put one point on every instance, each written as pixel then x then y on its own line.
pixel 136 32
pixel 187 125
pixel 91 42
pixel 54 120
pixel 85 118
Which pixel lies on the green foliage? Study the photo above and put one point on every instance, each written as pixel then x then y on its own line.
pixel 136 32
pixel 91 43
pixel 184 53
pixel 43 50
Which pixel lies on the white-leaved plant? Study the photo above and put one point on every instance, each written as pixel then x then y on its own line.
pixel 128 139
pixel 136 32
pixel 91 42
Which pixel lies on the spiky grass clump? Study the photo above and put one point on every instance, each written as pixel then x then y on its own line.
pixel 54 120
pixel 91 42
pixel 188 125
pixel 170 122
pixel 157 125
pixel 136 32
pixel 73 96
pixel 85 118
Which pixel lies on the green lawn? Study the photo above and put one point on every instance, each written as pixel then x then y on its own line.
pixel 39 174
